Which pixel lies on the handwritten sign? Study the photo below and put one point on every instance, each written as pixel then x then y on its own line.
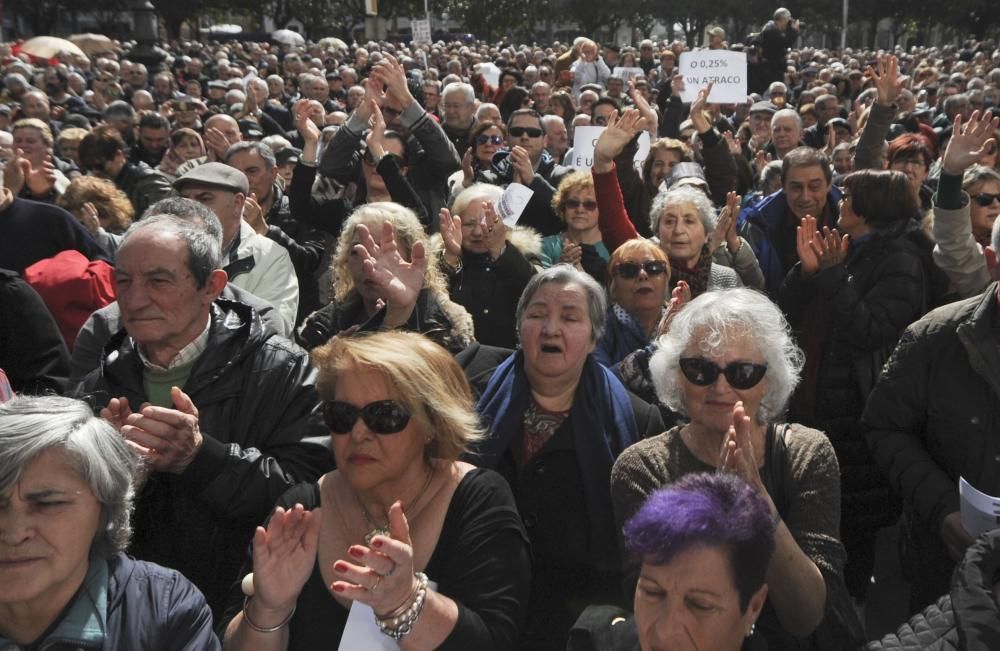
pixel 584 139
pixel 627 73
pixel 727 70
pixel 421 31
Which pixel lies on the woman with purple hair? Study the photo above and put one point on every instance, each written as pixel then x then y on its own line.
pixel 728 363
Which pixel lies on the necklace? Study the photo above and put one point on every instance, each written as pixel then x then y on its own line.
pixel 380 530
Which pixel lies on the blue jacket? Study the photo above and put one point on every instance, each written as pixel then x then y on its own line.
pixel 761 224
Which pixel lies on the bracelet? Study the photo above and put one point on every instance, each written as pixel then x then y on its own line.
pixel 401 625
pixel 263 629
pixel 403 607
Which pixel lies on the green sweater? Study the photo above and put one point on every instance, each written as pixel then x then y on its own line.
pixel 157 383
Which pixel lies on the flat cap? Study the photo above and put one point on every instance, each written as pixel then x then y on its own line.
pixel 218 175
pixel 764 107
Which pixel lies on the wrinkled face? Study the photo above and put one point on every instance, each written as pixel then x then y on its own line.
pixel 760 124
pixel 712 406
pixel 275 88
pixel 473 232
pixel 366 459
pixel 682 235
pixel 162 86
pixel 983 216
pixel 805 189
pixel 663 164
pixel 490 114
pixel 643 293
pixel 540 96
pixel 587 99
pixel 260 176
pixel 488 143
pixel 226 205
pixel 431 97
pixel 457 111
pixel 526 131
pixel 556 332
pixel 785 133
pixel 48 521
pixel 580 210
pixel 155 141
pixel 557 137
pixel 188 148
pixel 160 303
pixel 691 604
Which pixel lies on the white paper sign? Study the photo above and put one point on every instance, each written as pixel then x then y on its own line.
pixel 421 31
pixel 361 631
pixel 727 70
pixel 490 73
pixel 512 203
pixel 584 139
pixel 980 512
pixel 627 73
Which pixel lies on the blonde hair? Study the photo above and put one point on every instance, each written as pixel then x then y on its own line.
pixel 572 182
pixel 408 231
pixel 111 203
pixel 427 379
pixel 72 134
pixel 637 245
pixel 35 123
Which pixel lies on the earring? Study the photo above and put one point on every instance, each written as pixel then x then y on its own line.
pixel 753 627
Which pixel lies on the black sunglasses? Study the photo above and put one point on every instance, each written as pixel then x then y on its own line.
pixel 483 139
pixel 381 417
pixel 533 132
pixel 631 270
pixel 986 198
pixel 573 204
pixel 739 375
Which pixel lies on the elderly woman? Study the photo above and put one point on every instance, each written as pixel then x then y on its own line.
pixel 66 490
pixel 728 363
pixel 639 290
pixel 485 139
pixel 386 229
pixel 399 512
pixel 185 144
pixel 557 421
pixel 101 207
pixel 705 543
pixel 487 263
pixel 580 244
pixel 44 182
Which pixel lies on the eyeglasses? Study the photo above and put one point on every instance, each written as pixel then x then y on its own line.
pixel 381 417
pixel 483 139
pixel 573 204
pixel 739 375
pixel 533 132
pixel 986 198
pixel 630 270
pixel 910 162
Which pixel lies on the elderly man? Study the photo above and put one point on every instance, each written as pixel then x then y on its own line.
pixel 217 405
pixel 458 103
pixel 556 137
pixel 827 108
pixel 770 225
pixel 540 94
pixel 431 157
pixel 786 133
pixel 932 418
pixel 253 262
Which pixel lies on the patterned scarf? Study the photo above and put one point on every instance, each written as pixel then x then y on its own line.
pixel 696 277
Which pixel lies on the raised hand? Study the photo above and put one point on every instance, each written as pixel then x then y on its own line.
pixel 376 136
pixel 679 296
pixel 738 455
pixel 39 180
pixel 89 218
pixel 168 439
pixel 451 236
pixel 495 229
pixel 735 147
pixel 619 132
pixel 284 555
pixel 761 159
pixel 468 174
pixel 697 112
pixel 303 123
pixel 524 172
pixel 968 142
pixel 399 281
pixel 253 214
pixel 885 74
pixel 393 75
pixel 725 227
pixel 804 235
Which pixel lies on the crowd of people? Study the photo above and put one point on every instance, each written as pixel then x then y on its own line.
pixel 278 369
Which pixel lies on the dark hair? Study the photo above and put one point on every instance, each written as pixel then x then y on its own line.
pixel 401 139
pixel 511 72
pixel 883 198
pixel 707 509
pixel 526 111
pixel 566 102
pixel 909 145
pixel 513 100
pixel 262 150
pixel 805 157
pixel 188 210
pixel 154 121
pixel 100 146
pixel 605 100
pixel 482 127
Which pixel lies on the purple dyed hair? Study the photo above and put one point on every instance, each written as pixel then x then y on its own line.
pixel 709 509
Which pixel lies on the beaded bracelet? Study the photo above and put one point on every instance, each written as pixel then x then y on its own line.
pixel 401 625
pixel 263 629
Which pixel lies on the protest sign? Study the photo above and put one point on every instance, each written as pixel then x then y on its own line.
pixel 421 31
pixel 726 70
pixel 584 139
pixel 512 203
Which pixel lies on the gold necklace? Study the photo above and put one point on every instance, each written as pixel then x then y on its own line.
pixel 379 530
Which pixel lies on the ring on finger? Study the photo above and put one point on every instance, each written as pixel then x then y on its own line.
pixel 378 580
pixel 391 571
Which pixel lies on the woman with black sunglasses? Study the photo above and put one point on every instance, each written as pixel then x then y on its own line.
pixel 580 244
pixel 403 540
pixel 728 363
pixel 485 139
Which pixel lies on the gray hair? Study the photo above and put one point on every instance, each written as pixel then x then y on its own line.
pixel 683 194
pixel 955 102
pixel 468 93
pixel 476 191
pixel 118 109
pixel 263 150
pixel 787 113
pixel 31 425
pixel 979 174
pixel 204 249
pixel 485 106
pixel 549 119
pixel 565 274
pixel 191 211
pixel 718 319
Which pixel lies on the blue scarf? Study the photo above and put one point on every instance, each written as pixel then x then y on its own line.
pixel 601 416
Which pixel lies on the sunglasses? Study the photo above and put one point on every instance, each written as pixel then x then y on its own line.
pixel 533 132
pixel 631 270
pixel 381 417
pixel 739 375
pixel 986 198
pixel 573 204
pixel 483 139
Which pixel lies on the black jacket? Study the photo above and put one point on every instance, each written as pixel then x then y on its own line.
pixel 143 185
pixel 255 393
pixel 538 214
pixel 32 351
pixel 932 417
pixel 304 245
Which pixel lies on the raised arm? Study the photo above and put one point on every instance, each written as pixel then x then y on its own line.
pixel 616 227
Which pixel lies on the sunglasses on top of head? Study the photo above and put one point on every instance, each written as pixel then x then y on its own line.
pixel 739 375
pixel 381 417
pixel 630 270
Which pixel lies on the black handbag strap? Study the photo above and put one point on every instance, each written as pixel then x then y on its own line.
pixel 775 460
